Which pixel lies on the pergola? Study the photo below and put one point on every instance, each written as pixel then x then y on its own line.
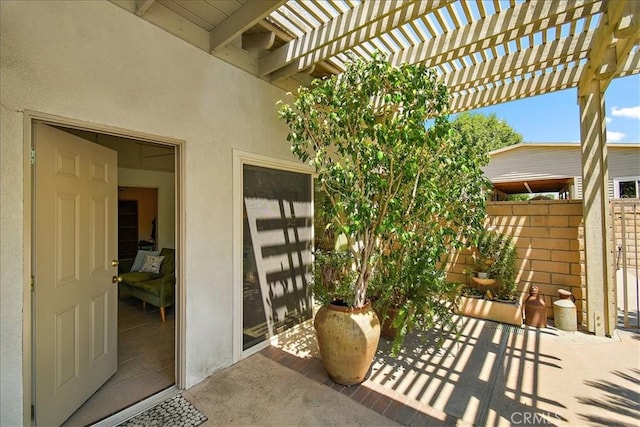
pixel 487 52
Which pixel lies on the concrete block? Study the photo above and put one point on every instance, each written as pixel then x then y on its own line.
pixel 537 254
pixel 497 209
pixel 539 232
pixel 534 276
pixel 539 220
pixel 577 269
pixel 531 209
pixel 570 208
pixel 574 220
pixel 563 233
pixel 545 243
pixel 571 280
pixel 565 256
pixel 550 266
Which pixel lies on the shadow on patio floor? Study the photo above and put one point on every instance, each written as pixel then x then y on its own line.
pixel 494 374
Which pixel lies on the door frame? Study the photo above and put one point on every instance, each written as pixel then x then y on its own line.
pixel 32 117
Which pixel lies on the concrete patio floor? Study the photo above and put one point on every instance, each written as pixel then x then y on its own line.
pixel 494 374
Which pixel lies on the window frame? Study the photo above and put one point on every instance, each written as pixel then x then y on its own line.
pixel 622 179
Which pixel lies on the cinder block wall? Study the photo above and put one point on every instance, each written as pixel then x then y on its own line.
pixel 549 238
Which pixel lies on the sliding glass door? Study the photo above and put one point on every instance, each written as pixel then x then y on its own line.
pixel 277 244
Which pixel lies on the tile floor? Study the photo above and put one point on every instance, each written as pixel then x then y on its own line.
pixel 145 362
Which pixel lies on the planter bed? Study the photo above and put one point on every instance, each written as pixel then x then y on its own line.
pixel 504 312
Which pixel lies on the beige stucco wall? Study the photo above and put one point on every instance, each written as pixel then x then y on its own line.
pixel 94 62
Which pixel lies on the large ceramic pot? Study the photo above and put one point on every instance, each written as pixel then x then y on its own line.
pixel 348 340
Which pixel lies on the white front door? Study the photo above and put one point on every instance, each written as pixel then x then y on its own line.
pixel 75 301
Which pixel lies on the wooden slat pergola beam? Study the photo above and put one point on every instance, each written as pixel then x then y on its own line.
pixel 510 24
pixel 244 18
pixel 362 23
pixel 539 57
pixel 613 41
pixel 142 6
pixel 631 65
pixel 523 88
pixel 535 85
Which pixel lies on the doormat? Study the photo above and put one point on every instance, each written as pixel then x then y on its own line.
pixel 176 411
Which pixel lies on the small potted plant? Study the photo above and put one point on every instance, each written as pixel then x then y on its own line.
pixel 495 263
pixel 469 291
pixel 494 253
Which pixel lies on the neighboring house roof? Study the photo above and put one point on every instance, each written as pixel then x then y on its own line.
pixel 550 167
pixel 572 145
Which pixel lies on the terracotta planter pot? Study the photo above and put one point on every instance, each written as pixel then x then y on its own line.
pixel 348 340
pixel 386 330
pixel 492 310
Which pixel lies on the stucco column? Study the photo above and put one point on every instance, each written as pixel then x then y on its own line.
pixel 601 315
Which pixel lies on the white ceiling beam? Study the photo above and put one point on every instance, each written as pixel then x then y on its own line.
pixel 279 32
pixel 535 85
pixel 142 6
pixel 244 18
pixel 539 57
pixel 362 23
pixel 510 24
pixel 258 41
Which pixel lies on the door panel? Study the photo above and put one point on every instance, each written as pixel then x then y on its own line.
pixel 75 301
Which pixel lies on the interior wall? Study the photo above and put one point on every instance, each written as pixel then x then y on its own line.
pixel 147 199
pixel 164 182
pixel 95 62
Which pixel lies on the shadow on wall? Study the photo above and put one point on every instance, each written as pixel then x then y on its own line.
pixel 548 235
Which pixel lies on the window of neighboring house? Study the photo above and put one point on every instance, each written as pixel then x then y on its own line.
pixel 626 188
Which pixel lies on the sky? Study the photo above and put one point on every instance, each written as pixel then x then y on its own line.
pixel 555 117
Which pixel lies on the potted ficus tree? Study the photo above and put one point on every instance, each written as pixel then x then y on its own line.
pixel 397 193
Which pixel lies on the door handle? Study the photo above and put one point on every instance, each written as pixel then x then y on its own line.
pixel 115 263
pixel 116 279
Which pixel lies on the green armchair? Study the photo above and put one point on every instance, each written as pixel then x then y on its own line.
pixel 157 289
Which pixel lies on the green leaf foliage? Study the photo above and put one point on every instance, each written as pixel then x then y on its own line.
pixel 400 193
pixel 490 132
pixel 496 254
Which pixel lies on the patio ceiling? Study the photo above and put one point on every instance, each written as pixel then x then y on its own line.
pixel 487 52
pixel 532 187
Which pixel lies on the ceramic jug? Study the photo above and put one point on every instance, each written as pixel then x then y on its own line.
pixel 535 311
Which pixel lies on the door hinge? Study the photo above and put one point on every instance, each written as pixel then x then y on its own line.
pixel 33 156
pixel 32 284
pixel 33 412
